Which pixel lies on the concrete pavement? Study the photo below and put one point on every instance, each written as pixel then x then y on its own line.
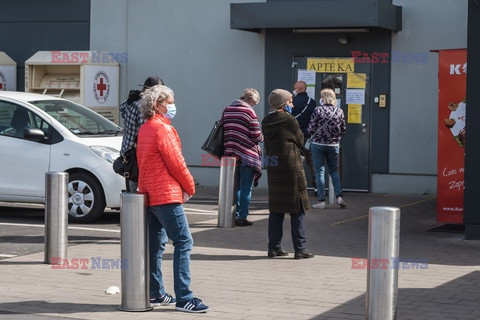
pixel 233 276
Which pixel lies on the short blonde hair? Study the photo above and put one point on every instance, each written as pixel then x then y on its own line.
pixel 329 97
pixel 150 98
pixel 250 94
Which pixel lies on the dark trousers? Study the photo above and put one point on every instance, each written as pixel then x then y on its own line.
pixel 311 168
pixel 275 230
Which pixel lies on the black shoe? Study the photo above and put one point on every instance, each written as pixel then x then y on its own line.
pixel 277 253
pixel 304 255
pixel 243 223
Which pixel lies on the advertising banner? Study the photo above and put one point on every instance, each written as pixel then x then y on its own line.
pixel 452 79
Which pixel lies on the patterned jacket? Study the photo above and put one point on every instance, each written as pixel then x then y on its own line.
pixel 332 129
pixel 132 120
pixel 163 173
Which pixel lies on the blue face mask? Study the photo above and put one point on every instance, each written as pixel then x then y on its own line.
pixel 288 108
pixel 171 111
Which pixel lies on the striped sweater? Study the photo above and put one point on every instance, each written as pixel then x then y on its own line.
pixel 242 134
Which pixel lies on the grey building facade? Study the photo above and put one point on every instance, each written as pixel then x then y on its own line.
pixel 208 51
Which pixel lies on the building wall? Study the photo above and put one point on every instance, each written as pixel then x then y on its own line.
pixel 28 26
pixel 189 44
pixel 427 25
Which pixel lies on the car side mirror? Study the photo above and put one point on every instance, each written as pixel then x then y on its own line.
pixel 34 134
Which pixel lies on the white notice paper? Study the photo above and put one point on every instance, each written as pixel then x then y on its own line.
pixel 355 96
pixel 309 77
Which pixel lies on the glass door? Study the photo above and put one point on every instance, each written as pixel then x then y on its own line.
pixel 351 84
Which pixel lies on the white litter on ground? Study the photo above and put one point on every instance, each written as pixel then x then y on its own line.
pixel 112 290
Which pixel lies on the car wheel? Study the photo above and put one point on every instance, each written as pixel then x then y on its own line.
pixel 85 198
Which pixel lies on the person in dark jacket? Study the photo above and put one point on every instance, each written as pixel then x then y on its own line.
pixel 287 186
pixel 302 111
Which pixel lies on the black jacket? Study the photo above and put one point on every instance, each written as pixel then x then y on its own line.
pixel 300 101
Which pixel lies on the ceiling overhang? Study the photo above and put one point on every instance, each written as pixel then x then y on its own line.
pixel 315 15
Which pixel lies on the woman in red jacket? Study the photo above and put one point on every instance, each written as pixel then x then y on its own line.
pixel 164 176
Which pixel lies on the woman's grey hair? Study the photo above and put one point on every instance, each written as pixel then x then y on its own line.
pixel 150 98
pixel 328 97
pixel 250 94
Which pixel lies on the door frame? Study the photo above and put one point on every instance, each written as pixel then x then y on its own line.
pixel 365 184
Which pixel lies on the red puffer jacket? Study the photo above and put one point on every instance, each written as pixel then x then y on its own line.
pixel 163 173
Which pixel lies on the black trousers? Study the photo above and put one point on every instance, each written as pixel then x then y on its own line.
pixel 297 228
pixel 309 161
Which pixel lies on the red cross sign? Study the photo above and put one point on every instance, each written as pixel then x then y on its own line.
pixel 101 87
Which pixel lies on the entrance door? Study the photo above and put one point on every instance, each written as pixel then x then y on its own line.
pixel 351 83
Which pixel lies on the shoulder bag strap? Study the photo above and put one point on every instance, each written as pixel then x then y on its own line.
pixel 323 125
pixel 306 106
pixel 223 115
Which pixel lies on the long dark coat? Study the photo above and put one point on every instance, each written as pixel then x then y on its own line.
pixel 287 186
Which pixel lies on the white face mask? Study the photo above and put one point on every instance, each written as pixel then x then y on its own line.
pixel 295 92
pixel 171 111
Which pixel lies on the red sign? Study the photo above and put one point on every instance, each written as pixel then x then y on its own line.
pixel 3 82
pixel 452 80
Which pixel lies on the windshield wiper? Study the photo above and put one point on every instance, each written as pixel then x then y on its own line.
pixel 78 132
pixel 116 132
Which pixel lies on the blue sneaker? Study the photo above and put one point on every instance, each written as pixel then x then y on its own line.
pixel 195 305
pixel 165 300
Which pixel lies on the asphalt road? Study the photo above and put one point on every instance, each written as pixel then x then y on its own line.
pixel 22 226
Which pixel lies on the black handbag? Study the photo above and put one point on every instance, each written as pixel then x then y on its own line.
pixel 214 143
pixel 126 165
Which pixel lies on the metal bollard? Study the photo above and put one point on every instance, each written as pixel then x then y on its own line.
pixel 383 243
pixel 56 217
pixel 227 194
pixel 135 276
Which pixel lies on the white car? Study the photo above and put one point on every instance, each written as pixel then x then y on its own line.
pixel 40 134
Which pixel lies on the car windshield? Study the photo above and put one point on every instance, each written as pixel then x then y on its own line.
pixel 78 119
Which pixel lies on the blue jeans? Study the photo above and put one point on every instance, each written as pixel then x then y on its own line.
pixel 244 191
pixel 330 154
pixel 170 220
pixel 275 230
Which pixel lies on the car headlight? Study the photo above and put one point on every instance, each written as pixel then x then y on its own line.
pixel 107 153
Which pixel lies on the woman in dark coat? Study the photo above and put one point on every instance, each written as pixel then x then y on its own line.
pixel 287 186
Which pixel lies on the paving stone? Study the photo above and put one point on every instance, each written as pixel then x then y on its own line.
pixel 232 274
